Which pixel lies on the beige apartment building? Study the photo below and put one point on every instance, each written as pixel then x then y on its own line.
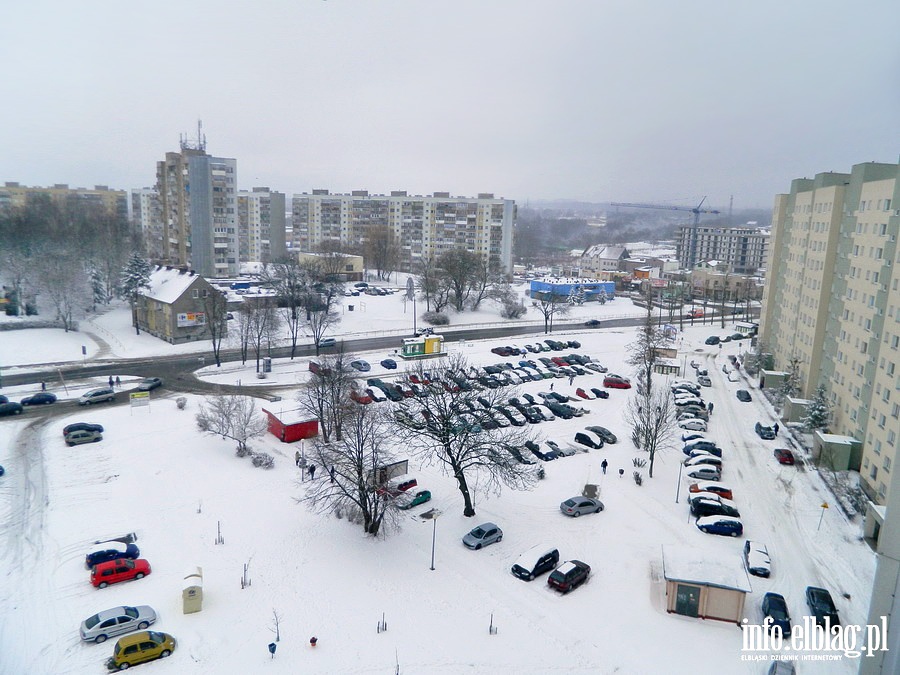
pixel 832 304
pixel 116 201
pixel 423 226
pixel 261 226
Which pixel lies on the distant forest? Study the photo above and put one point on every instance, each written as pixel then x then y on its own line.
pixel 544 233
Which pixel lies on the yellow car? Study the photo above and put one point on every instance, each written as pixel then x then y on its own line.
pixel 139 648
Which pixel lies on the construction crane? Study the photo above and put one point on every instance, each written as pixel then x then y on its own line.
pixel 697 210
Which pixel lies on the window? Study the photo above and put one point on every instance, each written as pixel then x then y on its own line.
pixel 873 474
pixel 195 293
pixel 887 464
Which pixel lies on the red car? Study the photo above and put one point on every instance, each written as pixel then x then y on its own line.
pixel 360 397
pixel 114 571
pixel 616 382
pixel 784 456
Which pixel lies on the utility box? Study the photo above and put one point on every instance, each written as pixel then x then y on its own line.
pixel 192 592
pixel 267 364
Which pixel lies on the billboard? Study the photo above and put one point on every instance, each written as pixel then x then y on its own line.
pixel 190 319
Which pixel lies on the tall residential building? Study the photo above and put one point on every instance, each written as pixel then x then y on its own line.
pixel 116 201
pixel 198 203
pixel 423 226
pixel 261 225
pixel 147 217
pixel 743 249
pixel 832 304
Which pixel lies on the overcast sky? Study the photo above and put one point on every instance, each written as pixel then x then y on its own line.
pixel 598 100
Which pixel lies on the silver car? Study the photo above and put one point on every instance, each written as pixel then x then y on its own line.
pixel 577 505
pixel 83 436
pixel 115 621
pixel 483 535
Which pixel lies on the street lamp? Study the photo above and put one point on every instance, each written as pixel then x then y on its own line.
pixel 678 485
pixel 432 515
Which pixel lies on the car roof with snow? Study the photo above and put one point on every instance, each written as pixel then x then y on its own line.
pixel 109 546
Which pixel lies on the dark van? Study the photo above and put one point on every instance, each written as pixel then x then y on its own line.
pixel 534 562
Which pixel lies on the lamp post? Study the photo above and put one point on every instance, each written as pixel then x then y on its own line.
pixel 432 515
pixel 678 485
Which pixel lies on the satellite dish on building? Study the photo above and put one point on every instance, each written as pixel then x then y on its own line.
pixel 410 289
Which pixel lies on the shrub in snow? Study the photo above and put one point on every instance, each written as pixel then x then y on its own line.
pixel 638 479
pixel 263 460
pixel 513 310
pixel 243 451
pixel 639 463
pixel 436 318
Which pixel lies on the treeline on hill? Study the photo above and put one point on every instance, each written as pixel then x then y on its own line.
pixel 70 253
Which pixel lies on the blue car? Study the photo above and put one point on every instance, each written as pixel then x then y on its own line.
pixel 110 550
pixel 390 364
pixel 774 607
pixel 728 526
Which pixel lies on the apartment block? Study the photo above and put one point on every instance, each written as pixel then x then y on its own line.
pixel 743 249
pixel 261 225
pixel 116 201
pixel 147 217
pixel 198 207
pixel 832 304
pixel 423 226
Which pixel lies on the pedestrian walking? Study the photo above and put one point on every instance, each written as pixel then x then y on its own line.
pixel 551 386
pixel 603 466
pixel 43 386
pixel 709 407
pixel 776 428
pixel 571 379
pixel 110 382
pixel 118 381
pixel 331 472
pixel 621 472
pixel 297 458
pixel 312 471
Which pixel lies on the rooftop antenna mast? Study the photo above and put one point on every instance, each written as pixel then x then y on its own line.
pixel 199 144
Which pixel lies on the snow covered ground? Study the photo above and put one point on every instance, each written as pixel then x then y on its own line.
pixel 155 475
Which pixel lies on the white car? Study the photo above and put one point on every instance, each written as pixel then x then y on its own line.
pixel 704 472
pixel 694 424
pixel 544 412
pixel 565 449
pixel 756 558
pixel 703 458
pixel 111 622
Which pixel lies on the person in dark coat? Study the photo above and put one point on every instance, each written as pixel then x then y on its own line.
pixel 603 466
pixel 312 471
pixel 621 472
pixel 110 382
pixel 297 458
pixel 776 428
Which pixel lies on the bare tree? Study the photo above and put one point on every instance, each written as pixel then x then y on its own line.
pixel 216 308
pixel 262 318
pixel 352 463
pixel 64 280
pixel 326 394
pixel 242 336
pixel 650 415
pixel 233 417
pixel 427 280
pixel 381 250
pixel 459 266
pixel 477 459
pixel 487 280
pixel 546 304
pixel 290 282
pixel 643 353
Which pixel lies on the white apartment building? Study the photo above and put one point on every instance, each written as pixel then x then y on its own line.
pixel 198 207
pixel 146 216
pixel 423 226
pixel 832 304
pixel 743 249
pixel 261 225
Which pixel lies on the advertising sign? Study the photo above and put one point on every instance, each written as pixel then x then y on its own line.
pixel 191 319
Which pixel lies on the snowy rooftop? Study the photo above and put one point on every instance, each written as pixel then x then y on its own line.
pixel 684 563
pixel 288 415
pixel 168 283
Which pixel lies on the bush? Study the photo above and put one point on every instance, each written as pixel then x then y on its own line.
pixel 639 463
pixel 513 310
pixel 243 451
pixel 436 318
pixel 263 460
pixel 638 479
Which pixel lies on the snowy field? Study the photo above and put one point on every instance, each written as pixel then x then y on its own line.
pixel 155 475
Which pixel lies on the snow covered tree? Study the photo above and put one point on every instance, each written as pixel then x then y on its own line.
pixel 576 296
pixel 650 415
pixel 135 278
pixel 546 304
pixel 643 353
pixel 233 417
pixel 818 414
pixel 98 286
pixel 601 297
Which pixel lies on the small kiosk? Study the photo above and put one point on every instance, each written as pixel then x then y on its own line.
pixel 192 592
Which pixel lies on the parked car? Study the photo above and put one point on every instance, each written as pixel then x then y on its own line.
pixel 704 381
pixel 41 398
pixel 775 608
pixel 361 366
pixel 692 435
pixel 115 621
pixel 546 454
pixel 784 456
pixel 599 393
pixel 534 562
pixel 560 450
pixel 694 424
pixel 701 457
pixel 390 364
pixel 705 506
pixel 361 397
pixel 100 395
pixel 376 395
pixel 593 323
pixel 412 498
pixel 483 535
pixel 82 436
pixel 704 472
pixel 114 571
pixel 712 486
pixel 702 444
pixel 616 382
pixel 140 648
pixel 11 408
pixel 604 433
pixel 110 550
pixel 822 606
pixel 743 395
pixel 764 432
pixel 2 470
pixel 327 342
pixel 581 393
pixel 587 440
pixel 149 384
pixel 756 558
pixel 695 313
pixel 568 576
pixel 81 426
pixel 518 454
pixel 575 506
pixel 722 525
pixel 712 340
